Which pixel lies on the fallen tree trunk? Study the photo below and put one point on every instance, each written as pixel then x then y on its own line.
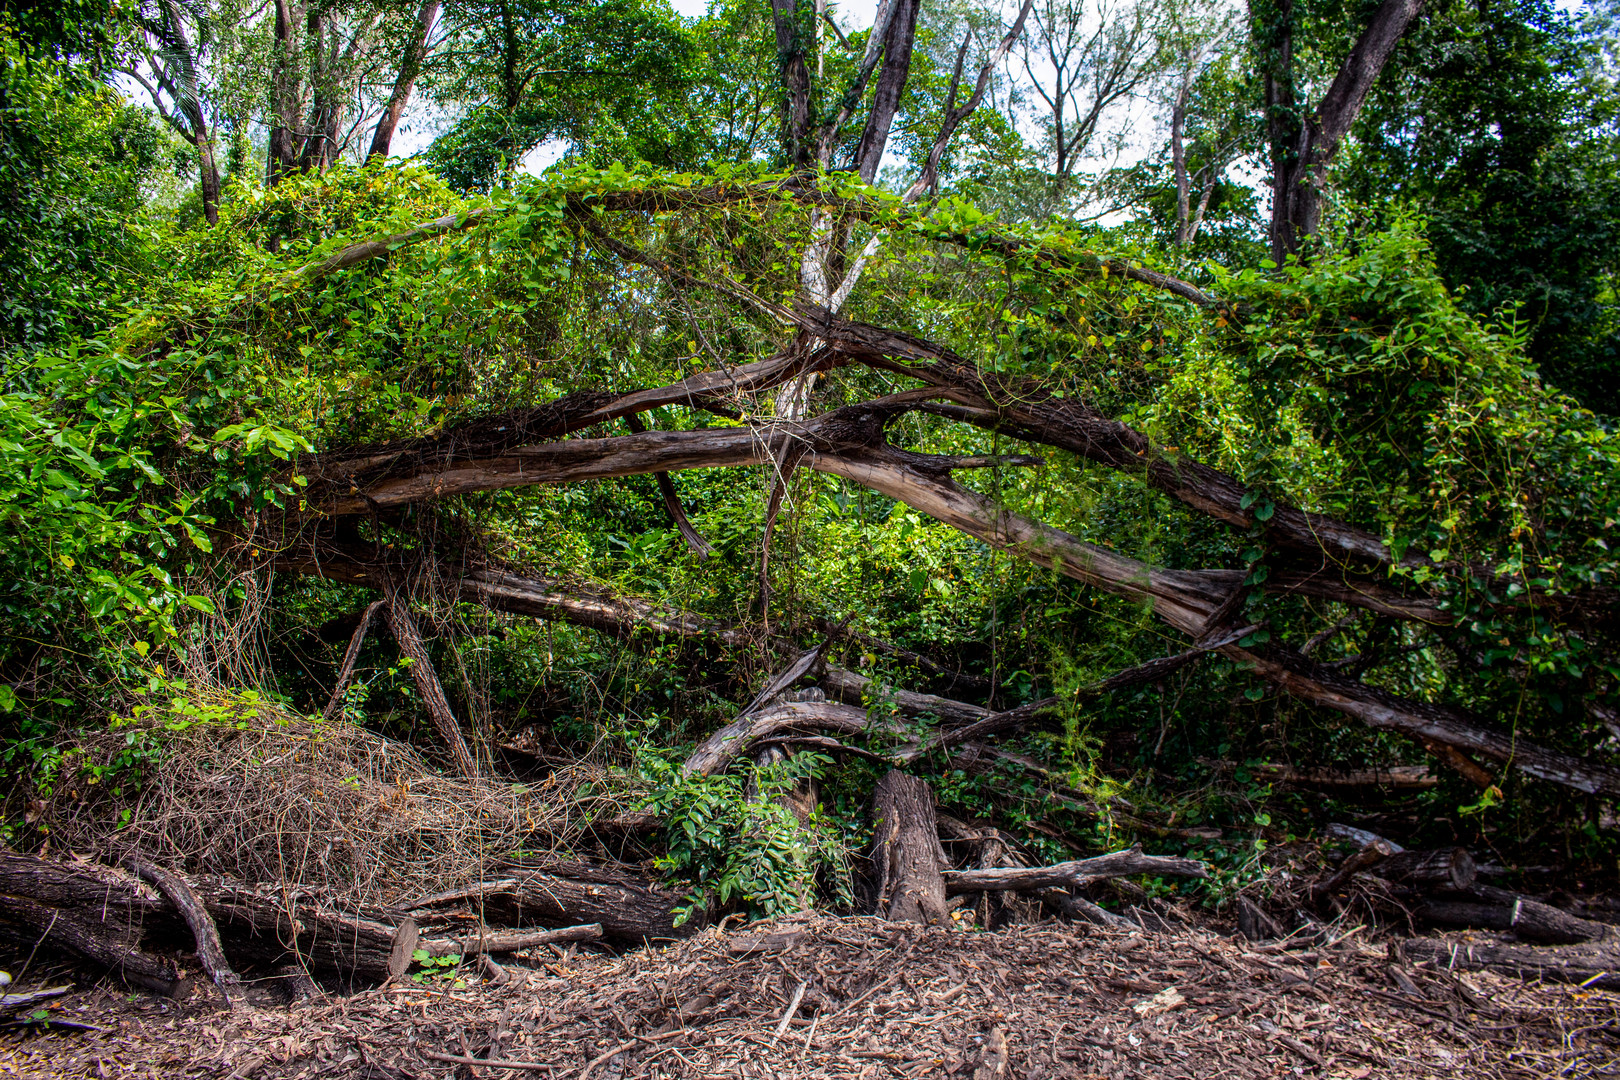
pixel 113 946
pixel 906 858
pixel 110 918
pixel 849 442
pixel 1594 963
pixel 739 737
pixel 1452 868
pixel 627 908
pixel 114 920
pixel 1487 908
pixel 1186 600
pixel 1075 874
pixel 1394 777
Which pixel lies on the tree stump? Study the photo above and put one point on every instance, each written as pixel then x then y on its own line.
pixel 906 856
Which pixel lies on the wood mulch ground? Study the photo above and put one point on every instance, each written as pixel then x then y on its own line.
pixel 874 999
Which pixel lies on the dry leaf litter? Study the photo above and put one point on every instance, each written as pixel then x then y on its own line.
pixel 858 997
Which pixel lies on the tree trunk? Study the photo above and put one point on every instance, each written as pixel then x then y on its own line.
pixel 905 851
pixel 410 65
pixel 285 98
pixel 1302 146
pixel 427 680
pixel 738 738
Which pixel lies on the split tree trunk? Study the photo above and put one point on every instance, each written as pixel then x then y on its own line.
pixel 906 858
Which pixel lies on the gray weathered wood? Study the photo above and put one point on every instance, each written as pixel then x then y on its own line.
pixel 1076 873
pixel 507 941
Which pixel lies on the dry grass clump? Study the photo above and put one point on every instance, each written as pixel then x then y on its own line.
pixel 269 797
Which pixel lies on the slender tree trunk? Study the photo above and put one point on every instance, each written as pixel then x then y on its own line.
pixel 898 43
pixel 1178 160
pixel 284 97
pixel 322 63
pixel 427 680
pixel 795 75
pixel 410 65
pixel 210 173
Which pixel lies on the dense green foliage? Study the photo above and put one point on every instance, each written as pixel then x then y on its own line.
pixel 164 381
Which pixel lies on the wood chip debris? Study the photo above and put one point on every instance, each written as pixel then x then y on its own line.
pixel 861 998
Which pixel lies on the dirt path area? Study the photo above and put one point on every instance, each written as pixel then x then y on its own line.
pixel 859 997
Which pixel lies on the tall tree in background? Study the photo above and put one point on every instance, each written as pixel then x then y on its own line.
pixel 168 64
pixel 519 72
pixel 1304 138
pixel 1207 128
pixel 410 66
pixel 1083 57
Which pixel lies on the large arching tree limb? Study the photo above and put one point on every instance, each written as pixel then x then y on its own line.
pixel 849 443
pixel 1184 600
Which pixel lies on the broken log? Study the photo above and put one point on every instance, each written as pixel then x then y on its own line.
pixel 906 857
pixel 566 894
pixel 427 680
pixel 1593 963
pixel 1368 857
pixel 1077 873
pixel 350 655
pixel 507 941
pixel 13 1003
pixel 1255 924
pixel 1079 909
pixel 1451 868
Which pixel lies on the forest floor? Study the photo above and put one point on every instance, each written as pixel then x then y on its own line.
pixel 874 999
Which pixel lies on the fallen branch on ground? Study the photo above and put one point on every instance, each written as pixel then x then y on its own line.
pixel 1073 874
